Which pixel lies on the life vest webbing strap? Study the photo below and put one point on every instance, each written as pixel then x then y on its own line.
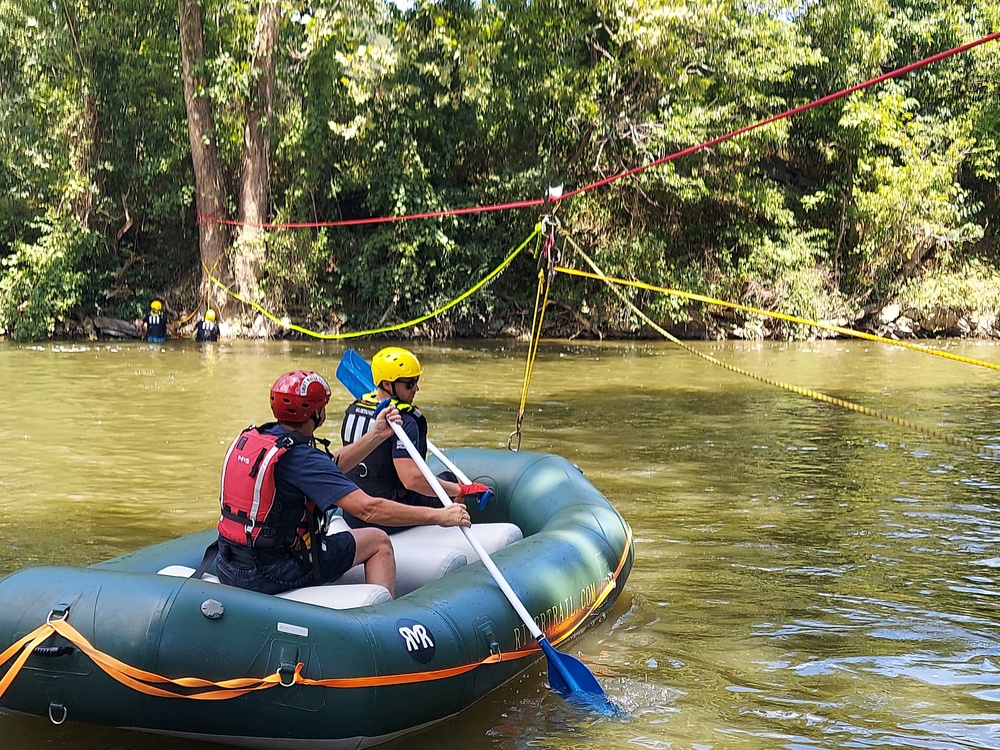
pixel 225 463
pixel 258 483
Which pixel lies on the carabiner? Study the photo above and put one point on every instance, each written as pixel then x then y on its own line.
pixel 510 440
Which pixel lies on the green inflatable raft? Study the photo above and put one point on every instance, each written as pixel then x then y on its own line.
pixel 133 642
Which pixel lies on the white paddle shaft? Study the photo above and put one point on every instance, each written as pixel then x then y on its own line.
pixel 448 463
pixel 435 484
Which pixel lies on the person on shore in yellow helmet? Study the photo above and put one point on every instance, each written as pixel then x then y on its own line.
pixel 388 471
pixel 207 329
pixel 156 325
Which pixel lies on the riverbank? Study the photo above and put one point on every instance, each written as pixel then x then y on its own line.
pixel 894 321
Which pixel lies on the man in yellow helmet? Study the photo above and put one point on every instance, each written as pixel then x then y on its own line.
pixel 155 324
pixel 207 329
pixel 388 471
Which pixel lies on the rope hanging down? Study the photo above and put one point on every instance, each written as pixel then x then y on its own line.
pixel 548 259
pixel 945 437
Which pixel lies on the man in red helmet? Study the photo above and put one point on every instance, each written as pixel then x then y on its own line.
pixel 277 487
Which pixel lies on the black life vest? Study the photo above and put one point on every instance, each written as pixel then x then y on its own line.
pixel 156 325
pixel 252 516
pixel 376 475
pixel 207 330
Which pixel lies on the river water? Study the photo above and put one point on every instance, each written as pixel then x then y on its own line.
pixel 805 576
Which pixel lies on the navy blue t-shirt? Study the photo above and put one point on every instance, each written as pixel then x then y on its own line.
pixel 304 471
pixel 412 431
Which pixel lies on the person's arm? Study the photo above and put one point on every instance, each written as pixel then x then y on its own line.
pixel 390 513
pixel 413 479
pixel 407 470
pixel 351 455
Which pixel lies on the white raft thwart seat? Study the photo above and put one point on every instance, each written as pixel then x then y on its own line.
pixel 423 554
pixel 427 553
pixel 332 595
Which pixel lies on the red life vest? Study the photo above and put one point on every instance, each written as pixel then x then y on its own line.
pixel 250 515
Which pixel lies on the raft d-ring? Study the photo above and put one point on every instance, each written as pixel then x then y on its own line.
pixel 286 671
pixel 53 709
pixel 61 612
pixel 510 440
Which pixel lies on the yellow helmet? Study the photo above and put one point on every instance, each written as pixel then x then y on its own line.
pixel 393 363
pixel 210 314
pixel 156 305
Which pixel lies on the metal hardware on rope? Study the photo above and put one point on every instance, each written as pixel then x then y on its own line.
pixel 549 257
pixel 548 261
pixel 510 438
pixel 286 671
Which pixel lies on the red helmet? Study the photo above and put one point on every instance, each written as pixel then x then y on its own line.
pixel 296 396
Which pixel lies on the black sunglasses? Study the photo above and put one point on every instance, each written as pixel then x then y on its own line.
pixel 408 382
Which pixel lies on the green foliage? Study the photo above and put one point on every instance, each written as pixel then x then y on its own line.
pixel 43 281
pixel 907 200
pixel 383 111
pixel 786 276
pixel 970 285
pixel 93 132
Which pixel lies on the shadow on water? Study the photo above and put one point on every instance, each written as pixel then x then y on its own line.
pixel 805 576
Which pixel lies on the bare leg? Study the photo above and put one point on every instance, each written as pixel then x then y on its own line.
pixel 374 549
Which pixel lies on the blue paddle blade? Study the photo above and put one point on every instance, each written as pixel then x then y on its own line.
pixel 570 677
pixel 356 378
pixel 361 368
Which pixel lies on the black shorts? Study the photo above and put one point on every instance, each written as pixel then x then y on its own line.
pixel 272 575
pixel 336 556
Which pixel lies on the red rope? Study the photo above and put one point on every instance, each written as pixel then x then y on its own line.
pixel 788 113
pixel 636 170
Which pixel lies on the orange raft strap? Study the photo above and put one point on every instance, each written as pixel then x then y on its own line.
pixel 146 682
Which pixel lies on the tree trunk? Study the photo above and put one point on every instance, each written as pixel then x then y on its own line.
pixel 83 134
pixel 255 173
pixel 210 187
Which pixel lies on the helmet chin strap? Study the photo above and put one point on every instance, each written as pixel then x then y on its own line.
pixel 391 390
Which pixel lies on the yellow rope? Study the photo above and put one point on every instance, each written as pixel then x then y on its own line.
pixel 780 316
pixel 202 297
pixel 878 414
pixel 546 266
pixel 385 329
